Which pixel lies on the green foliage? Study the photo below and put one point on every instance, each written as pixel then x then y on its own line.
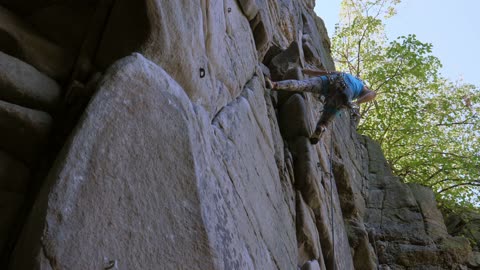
pixel 428 127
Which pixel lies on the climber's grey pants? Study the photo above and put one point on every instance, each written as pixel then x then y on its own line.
pixel 312 85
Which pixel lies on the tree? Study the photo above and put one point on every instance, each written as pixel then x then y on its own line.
pixel 428 127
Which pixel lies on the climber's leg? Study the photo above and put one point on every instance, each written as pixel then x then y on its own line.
pixel 327 117
pixel 312 85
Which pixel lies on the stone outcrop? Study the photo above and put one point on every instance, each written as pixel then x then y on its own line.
pixel 182 158
pixel 24 85
pixel 201 208
pixel 404 224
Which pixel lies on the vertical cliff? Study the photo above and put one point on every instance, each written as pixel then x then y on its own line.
pixel 182 158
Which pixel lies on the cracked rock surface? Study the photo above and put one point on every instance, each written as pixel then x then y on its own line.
pixel 180 158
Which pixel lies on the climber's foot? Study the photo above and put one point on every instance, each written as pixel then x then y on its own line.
pixel 317 134
pixel 314 140
pixel 269 84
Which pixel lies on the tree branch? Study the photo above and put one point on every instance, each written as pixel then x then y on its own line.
pixel 473 184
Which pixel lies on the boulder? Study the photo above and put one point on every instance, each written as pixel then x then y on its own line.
pixel 24 131
pixel 23 85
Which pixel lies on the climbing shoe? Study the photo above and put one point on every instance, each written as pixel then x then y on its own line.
pixel 268 83
pixel 317 134
pixel 314 140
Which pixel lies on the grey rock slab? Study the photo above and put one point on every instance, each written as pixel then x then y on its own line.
pixel 294 119
pixel 308 178
pixel 403 223
pixel 24 131
pixel 399 195
pixel 321 37
pixel 147 181
pixel 377 163
pixel 250 190
pixel 213 42
pixel 22 84
pixel 346 191
pixel 317 191
pixel 14 175
pixel 21 41
pixel 307 232
pixel 118 190
pixel 433 218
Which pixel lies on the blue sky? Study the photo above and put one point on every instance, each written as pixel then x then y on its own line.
pixel 453 27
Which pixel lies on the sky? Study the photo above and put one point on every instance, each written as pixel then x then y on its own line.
pixel 453 27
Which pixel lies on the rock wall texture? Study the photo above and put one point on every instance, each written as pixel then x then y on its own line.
pixel 140 135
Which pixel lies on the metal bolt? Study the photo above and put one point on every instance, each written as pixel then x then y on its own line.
pixel 111 264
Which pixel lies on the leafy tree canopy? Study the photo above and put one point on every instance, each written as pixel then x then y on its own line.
pixel 428 126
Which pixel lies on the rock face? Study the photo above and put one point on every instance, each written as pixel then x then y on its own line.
pixel 465 224
pixel 191 207
pixel 22 84
pixel 404 224
pixel 182 158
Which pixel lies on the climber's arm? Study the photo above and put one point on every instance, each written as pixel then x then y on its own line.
pixel 312 85
pixel 366 96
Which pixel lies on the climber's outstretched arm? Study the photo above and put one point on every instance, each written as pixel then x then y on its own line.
pixel 366 96
pixel 312 85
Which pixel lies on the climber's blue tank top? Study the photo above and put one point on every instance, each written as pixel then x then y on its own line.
pixel 354 83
